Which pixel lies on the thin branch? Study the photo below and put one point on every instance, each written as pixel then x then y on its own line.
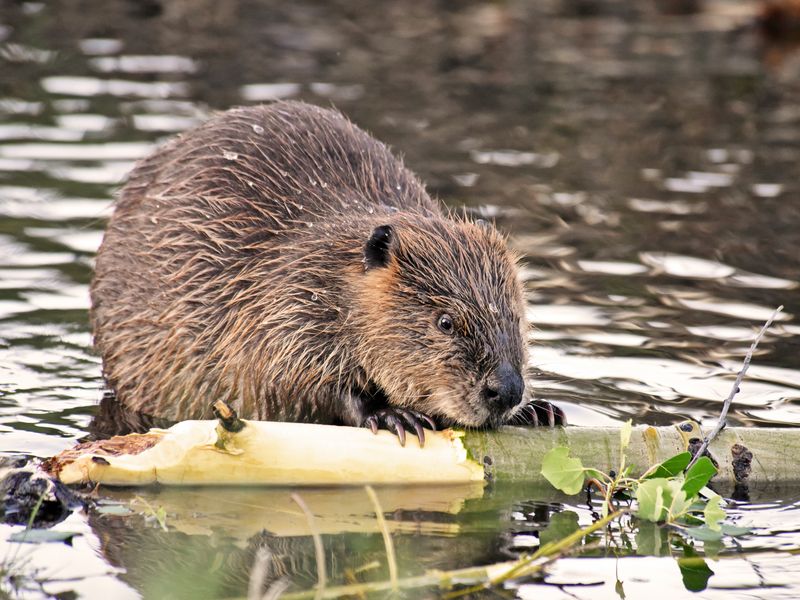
pixel 735 390
pixel 484 575
pixel 322 577
pixel 387 537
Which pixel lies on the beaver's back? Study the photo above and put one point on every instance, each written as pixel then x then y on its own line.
pixel 287 163
pixel 196 214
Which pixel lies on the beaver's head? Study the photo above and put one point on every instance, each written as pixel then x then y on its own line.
pixel 442 319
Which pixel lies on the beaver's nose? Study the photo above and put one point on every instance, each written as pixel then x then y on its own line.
pixel 504 387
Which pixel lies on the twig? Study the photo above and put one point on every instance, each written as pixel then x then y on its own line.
pixel 258 574
pixel 484 575
pixel 322 577
pixel 351 576
pixel 735 390
pixel 433 578
pixel 387 538
pixel 536 562
pixel 276 590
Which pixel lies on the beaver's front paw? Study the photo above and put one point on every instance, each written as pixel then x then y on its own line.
pixel 540 412
pixel 392 418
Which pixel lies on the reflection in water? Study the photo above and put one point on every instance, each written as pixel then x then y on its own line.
pixel 642 156
pixel 216 533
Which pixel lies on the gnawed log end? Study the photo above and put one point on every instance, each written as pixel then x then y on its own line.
pixel 131 444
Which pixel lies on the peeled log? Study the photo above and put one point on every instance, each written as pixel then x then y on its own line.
pixel 279 454
pixel 266 453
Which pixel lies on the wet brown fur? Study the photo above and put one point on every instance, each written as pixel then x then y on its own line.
pixel 233 268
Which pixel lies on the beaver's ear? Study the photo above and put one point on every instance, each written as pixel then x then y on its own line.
pixel 377 248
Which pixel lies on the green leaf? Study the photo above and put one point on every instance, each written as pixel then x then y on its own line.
pixel 561 525
pixel 704 534
pixel 619 589
pixel 625 435
pixel 624 440
pixel 672 466
pixel 734 530
pixel 650 540
pixel 662 500
pixel 161 517
pixel 563 472
pixel 695 573
pixel 650 496
pixel 698 476
pixel 712 548
pixel 42 536
pixel 675 501
pixel 713 513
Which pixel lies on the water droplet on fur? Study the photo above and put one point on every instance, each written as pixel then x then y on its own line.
pixel 314 296
pixel 370 210
pixel 284 173
pixel 323 185
pixel 258 129
pixel 312 182
pixel 394 209
pixel 492 307
pixel 398 187
pixel 230 155
pixel 309 224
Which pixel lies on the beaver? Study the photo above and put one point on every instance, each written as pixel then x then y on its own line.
pixel 282 259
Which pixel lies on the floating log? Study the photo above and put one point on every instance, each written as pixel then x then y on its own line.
pixel 295 454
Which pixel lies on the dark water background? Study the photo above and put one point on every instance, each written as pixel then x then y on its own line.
pixel 644 156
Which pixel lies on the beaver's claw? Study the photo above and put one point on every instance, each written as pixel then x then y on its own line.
pixel 541 412
pixel 393 418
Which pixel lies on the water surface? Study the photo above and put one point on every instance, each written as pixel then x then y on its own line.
pixel 644 162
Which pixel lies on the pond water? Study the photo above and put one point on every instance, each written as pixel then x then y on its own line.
pixel 643 156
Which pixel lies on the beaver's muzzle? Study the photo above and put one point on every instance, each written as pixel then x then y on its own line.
pixel 503 388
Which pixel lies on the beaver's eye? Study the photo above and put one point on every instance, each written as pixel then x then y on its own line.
pixel 445 323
